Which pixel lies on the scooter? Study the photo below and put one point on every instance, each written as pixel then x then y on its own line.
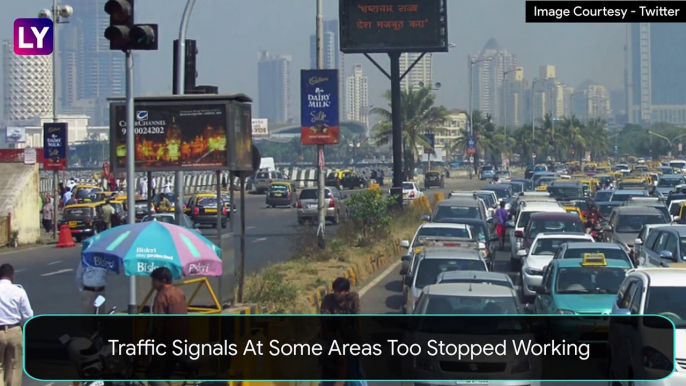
pixel 91 356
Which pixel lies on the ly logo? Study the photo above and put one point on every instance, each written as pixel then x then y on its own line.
pixel 33 36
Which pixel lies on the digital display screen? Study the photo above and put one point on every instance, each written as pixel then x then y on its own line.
pixel 374 26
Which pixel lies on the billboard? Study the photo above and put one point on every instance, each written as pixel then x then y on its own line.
pixel 471 145
pixel 319 107
pixel 260 127
pixel 16 135
pixel 431 138
pixel 378 26
pixel 55 140
pixel 172 135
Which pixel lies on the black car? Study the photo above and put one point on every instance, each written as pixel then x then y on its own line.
pixel 434 178
pixel 353 181
pixel 528 183
pixel 204 211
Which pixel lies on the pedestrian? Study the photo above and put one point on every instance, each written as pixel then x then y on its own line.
pixel 170 300
pixel 167 187
pixel 67 195
pixel 224 183
pixel 341 300
pixel 153 187
pixel 48 214
pixel 91 283
pixel 143 187
pixel 165 205
pixel 107 211
pixel 501 217
pixel 15 309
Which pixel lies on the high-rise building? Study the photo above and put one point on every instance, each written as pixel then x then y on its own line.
pixel 357 96
pixel 333 57
pixel 593 101
pixel 515 91
pixel 273 78
pixel 89 72
pixel 549 96
pixel 421 73
pixel 656 73
pixel 488 76
pixel 27 85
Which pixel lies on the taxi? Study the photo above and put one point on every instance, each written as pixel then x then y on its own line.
pixel 574 209
pixel 604 179
pixel 335 178
pixel 434 178
pixel 542 188
pixel 633 183
pixel 84 220
pixel 588 185
pixel 226 198
pixel 584 287
pixel 120 215
pixel 82 193
pixel 202 209
pixel 280 194
pixel 102 196
pixel 618 176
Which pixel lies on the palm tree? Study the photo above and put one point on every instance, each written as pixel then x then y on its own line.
pixel 490 141
pixel 418 117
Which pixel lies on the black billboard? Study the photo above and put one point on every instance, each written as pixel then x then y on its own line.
pixel 183 135
pixel 378 26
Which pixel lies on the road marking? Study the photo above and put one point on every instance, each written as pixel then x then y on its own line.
pixel 24 250
pixel 250 227
pixel 258 240
pixel 57 272
pixel 55 262
pixel 19 270
pixel 378 279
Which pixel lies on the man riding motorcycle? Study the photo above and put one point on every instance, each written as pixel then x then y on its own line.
pixel 593 219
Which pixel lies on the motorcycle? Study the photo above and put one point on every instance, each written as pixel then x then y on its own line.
pixel 596 231
pixel 91 356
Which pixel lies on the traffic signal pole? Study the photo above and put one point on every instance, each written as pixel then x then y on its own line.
pixel 179 90
pixel 130 167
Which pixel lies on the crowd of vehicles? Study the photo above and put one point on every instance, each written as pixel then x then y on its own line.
pixel 606 240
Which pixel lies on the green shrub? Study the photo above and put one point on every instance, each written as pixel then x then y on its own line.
pixel 370 213
pixel 271 291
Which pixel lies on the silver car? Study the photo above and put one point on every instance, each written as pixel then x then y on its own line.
pixel 336 210
pixel 264 178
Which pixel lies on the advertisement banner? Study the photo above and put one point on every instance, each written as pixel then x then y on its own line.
pixel 471 145
pixel 16 135
pixel 432 143
pixel 319 107
pixel 260 127
pixel 172 136
pixel 55 139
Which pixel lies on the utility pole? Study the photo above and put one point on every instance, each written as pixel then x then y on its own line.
pixel 320 148
pixel 130 166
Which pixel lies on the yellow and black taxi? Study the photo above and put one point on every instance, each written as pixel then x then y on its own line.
pixel 202 209
pixel 346 179
pixel 226 200
pixel 120 215
pixel 281 194
pixel 434 178
pixel 84 220
pixel 142 208
pixel 85 193
pixel 102 196
pixel 157 203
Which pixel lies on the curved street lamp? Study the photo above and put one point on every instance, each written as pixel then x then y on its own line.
pixel 437 86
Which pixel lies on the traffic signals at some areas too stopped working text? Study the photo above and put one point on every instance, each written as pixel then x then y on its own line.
pixel 123 34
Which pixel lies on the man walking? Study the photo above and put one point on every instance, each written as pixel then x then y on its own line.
pixel 170 300
pixel 15 309
pixel 91 283
pixel 107 211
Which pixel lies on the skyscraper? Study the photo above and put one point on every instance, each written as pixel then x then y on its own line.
pixel 333 57
pixel 487 78
pixel 656 73
pixel 273 78
pixel 357 97
pixel 27 85
pixel 422 72
pixel 514 91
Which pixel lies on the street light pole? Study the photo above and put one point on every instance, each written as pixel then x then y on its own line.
pixel 670 141
pixel 472 62
pixel 533 120
pixel 321 186
pixel 504 108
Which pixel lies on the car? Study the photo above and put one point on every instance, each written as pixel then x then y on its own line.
pixel 349 180
pixel 487 172
pixel 461 207
pixel 664 247
pixel 411 192
pixel 431 261
pixel 170 218
pixel 281 194
pixel 624 195
pixel 503 175
pixel 157 199
pixel 651 202
pixel 476 277
pixel 516 232
pixel 480 296
pixel 83 220
pixel 528 183
pixel 434 178
pixel 668 183
pixel 307 205
pixel 480 231
pixel 641 239
pixel 649 291
pixel 502 191
pixel 609 251
pixel 606 207
pixel 265 177
pixel 563 189
pixel 517 186
pixel 203 210
pixel 626 222
pixel 542 251
pixel 550 222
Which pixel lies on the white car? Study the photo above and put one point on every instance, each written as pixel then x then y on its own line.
pixel 539 256
pixel 525 212
pixel 411 191
pixel 649 291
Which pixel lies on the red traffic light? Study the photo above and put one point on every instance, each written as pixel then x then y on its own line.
pixel 119 10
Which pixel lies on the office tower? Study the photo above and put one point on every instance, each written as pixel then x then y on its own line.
pixel 488 77
pixel 422 72
pixel 333 58
pixel 590 102
pixel 549 96
pixel 357 97
pixel 514 91
pixel 273 78
pixel 89 72
pixel 27 85
pixel 656 73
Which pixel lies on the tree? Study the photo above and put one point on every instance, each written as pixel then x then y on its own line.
pixel 491 141
pixel 418 117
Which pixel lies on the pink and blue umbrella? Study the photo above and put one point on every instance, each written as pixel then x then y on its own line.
pixel 145 246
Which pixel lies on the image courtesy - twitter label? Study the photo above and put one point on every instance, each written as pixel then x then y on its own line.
pixel 33 36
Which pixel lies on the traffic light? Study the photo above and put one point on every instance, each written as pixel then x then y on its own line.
pixel 123 34
pixel 190 69
pixel 144 37
pixel 121 23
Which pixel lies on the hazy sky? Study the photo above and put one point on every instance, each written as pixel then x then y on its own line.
pixel 229 34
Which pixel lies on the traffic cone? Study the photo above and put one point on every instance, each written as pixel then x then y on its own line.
pixel 66 239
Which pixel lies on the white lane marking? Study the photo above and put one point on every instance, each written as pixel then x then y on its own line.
pixel 260 239
pixel 55 262
pixel 57 272
pixel 24 250
pixel 51 383
pixel 249 227
pixel 19 270
pixel 378 278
